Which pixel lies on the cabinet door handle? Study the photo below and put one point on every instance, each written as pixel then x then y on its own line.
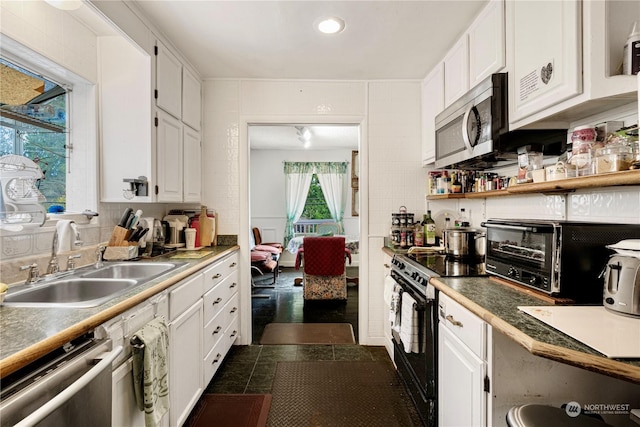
pixel 233 310
pixel 218 329
pixel 217 359
pixel 233 264
pixel 386 265
pixel 233 334
pixel 216 301
pixel 453 321
pixel 216 276
pixel 233 285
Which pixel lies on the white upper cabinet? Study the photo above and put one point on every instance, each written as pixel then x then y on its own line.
pixel 432 105
pixel 487 43
pixel 547 59
pixel 192 185
pixel 168 81
pixel 169 158
pixel 456 71
pixel 191 99
pixel 125 117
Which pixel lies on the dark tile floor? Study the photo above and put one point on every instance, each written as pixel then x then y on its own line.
pixel 252 368
pixel 286 304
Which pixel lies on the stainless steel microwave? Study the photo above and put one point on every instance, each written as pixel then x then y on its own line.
pixel 473 132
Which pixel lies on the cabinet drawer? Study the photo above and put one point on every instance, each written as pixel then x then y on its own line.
pixel 231 333
pixel 217 272
pixel 466 326
pixel 213 360
pixel 214 329
pixel 220 295
pixel 184 295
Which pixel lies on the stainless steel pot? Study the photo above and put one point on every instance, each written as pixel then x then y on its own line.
pixel 465 242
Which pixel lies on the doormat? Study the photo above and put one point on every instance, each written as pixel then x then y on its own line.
pixel 230 410
pixel 308 333
pixel 340 393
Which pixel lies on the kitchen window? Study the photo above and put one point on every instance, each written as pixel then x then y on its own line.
pixel 316 205
pixel 33 124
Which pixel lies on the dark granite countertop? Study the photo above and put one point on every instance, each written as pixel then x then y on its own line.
pixel 27 333
pixel 497 304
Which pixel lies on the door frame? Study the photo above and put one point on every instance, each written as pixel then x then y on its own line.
pixel 245 214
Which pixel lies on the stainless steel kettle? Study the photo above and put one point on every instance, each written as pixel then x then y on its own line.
pixel 622 285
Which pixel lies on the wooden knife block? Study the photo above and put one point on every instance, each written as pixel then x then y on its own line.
pixel 120 237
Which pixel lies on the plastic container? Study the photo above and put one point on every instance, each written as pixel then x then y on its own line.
pixel 613 158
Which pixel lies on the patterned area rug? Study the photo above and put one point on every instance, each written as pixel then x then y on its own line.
pixel 307 333
pixel 231 410
pixel 340 393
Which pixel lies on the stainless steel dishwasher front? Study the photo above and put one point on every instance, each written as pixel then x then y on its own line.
pixel 72 387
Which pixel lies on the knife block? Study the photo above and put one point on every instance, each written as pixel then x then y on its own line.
pixel 120 237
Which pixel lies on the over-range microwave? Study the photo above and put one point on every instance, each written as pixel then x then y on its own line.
pixel 473 132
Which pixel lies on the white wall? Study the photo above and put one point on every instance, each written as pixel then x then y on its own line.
pixel 267 185
pixel 389 117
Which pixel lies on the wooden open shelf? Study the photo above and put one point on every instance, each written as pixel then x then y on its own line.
pixel 613 179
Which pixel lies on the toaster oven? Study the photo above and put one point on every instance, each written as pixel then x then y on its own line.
pixel 559 258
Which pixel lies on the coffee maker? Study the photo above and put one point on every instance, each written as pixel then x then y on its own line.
pixel 175 234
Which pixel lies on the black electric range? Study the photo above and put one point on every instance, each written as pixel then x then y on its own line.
pixel 447 266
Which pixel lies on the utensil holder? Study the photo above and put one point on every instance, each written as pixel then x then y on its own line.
pixel 120 237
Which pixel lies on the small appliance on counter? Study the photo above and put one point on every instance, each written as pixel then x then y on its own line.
pixel 622 279
pixel 177 224
pixel 560 258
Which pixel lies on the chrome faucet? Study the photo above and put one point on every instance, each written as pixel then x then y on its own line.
pixel 53 266
pixel 99 255
pixel 71 264
pixel 34 274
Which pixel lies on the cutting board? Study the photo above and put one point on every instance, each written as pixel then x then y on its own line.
pixel 611 334
pixel 206 228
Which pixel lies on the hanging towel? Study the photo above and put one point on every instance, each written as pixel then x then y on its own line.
pixel 150 370
pixel 394 309
pixel 66 235
pixel 389 284
pixel 409 324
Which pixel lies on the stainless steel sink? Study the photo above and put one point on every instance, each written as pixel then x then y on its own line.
pixel 131 270
pixel 88 286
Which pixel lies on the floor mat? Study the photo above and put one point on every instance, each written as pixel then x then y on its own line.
pixel 231 410
pixel 307 333
pixel 340 393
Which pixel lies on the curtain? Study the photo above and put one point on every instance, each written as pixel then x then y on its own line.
pixel 331 176
pixel 297 178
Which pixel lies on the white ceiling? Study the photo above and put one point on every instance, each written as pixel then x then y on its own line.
pixel 277 39
pixel 285 137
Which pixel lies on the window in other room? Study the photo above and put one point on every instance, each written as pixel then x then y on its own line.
pixel 316 205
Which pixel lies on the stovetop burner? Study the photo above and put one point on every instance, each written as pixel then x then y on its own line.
pixel 448 266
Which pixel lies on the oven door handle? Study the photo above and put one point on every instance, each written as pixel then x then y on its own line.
pixel 66 394
pixel 510 227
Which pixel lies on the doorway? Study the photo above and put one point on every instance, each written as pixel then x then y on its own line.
pixel 270 145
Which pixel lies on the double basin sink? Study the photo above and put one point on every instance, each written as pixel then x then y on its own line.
pixel 88 286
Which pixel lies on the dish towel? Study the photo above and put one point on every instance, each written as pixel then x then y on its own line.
pixel 409 324
pixel 66 235
pixel 394 309
pixel 389 284
pixel 150 370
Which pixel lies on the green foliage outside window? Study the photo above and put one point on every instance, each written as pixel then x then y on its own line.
pixel 316 205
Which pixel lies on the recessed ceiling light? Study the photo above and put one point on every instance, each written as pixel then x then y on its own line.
pixel 331 25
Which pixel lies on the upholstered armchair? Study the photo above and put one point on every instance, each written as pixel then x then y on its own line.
pixel 323 260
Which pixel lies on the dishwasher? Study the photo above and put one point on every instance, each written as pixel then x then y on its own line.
pixel 69 386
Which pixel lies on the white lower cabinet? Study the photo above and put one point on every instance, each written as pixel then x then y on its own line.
pixel 202 313
pixel 462 366
pixel 124 411
pixel 185 372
